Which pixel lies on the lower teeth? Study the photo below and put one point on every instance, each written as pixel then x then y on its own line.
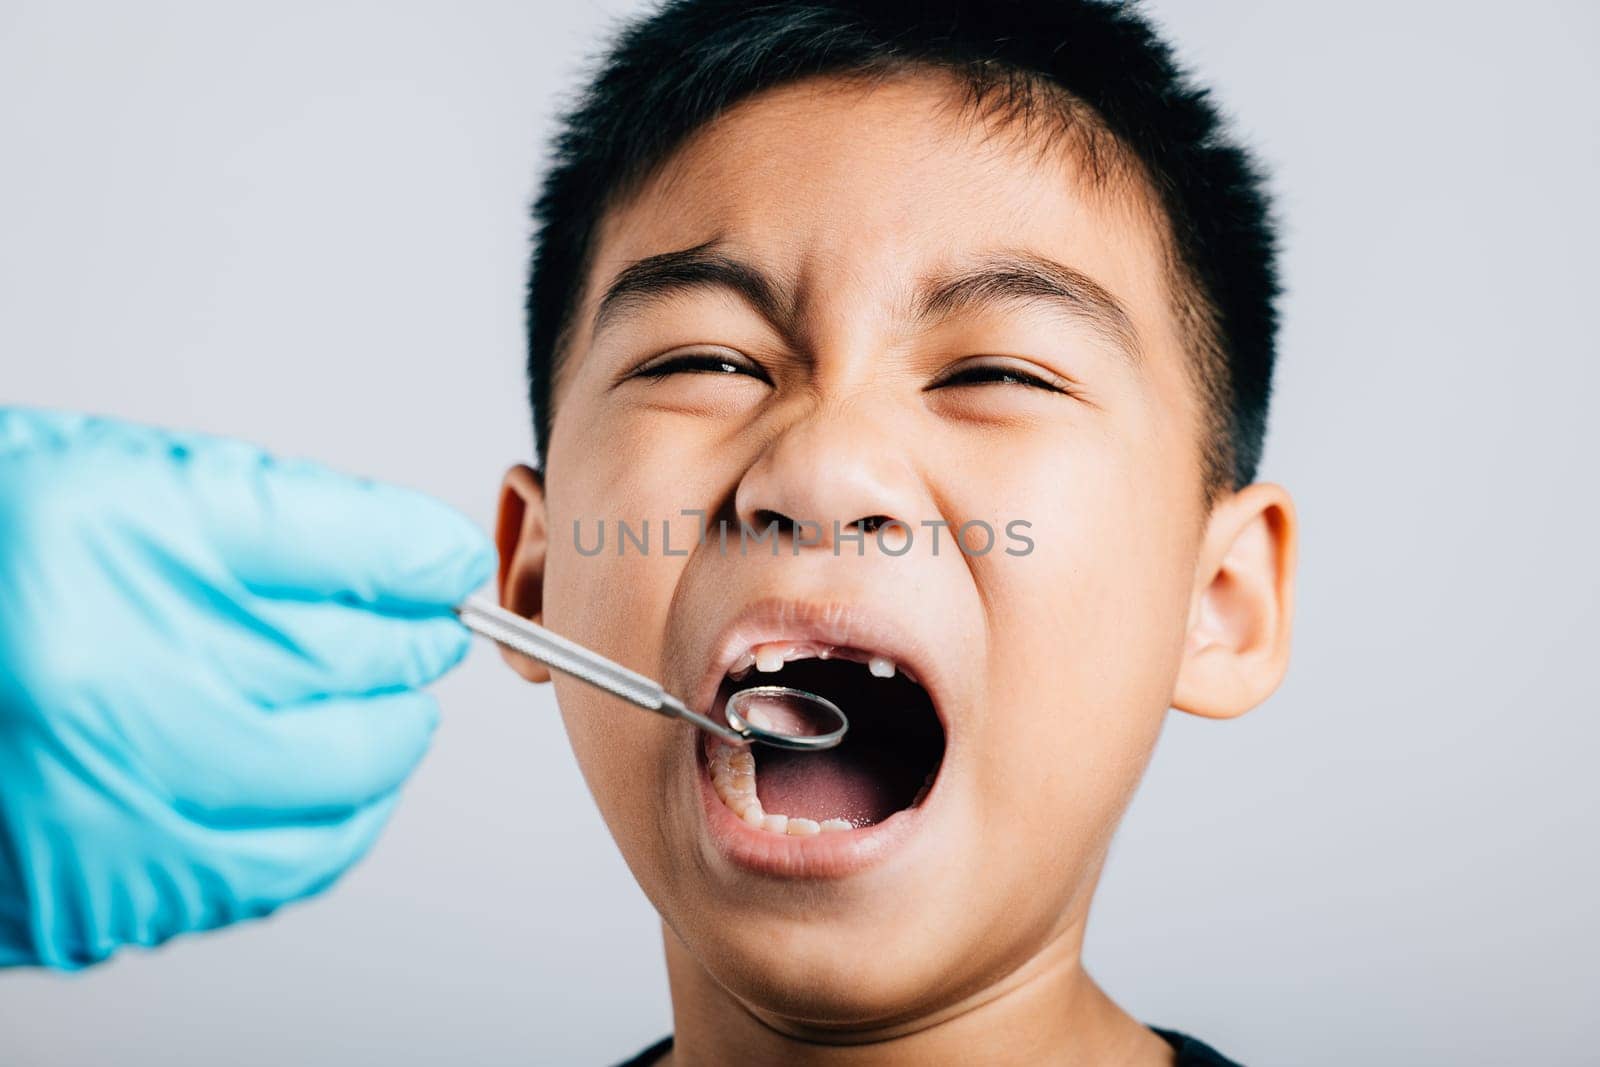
pixel 733 776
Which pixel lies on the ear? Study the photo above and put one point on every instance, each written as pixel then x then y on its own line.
pixel 520 535
pixel 1237 647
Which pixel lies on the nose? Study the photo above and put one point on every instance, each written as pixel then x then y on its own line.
pixel 832 465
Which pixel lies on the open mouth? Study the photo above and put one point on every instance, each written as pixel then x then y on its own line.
pixel 886 763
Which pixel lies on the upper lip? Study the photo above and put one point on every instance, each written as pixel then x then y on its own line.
pixel 825 622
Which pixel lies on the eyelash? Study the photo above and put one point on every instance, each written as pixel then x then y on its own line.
pixel 700 363
pixel 982 373
pixel 711 363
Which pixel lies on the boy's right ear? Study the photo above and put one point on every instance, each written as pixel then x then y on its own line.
pixel 520 535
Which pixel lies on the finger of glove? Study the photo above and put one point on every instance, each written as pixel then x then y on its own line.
pixel 130 868
pixel 293 528
pixel 25 429
pixel 33 430
pixel 240 874
pixel 47 434
pixel 314 761
pixel 277 652
pixel 282 526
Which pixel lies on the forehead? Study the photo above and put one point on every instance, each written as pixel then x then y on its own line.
pixel 850 192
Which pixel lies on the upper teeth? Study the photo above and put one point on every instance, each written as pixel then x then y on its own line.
pixel 772 655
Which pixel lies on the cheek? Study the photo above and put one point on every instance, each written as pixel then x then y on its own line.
pixel 631 760
pixel 612 517
pixel 1088 638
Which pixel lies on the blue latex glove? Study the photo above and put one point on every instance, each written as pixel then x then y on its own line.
pixel 209 672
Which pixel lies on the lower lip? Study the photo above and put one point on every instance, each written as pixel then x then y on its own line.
pixel 830 854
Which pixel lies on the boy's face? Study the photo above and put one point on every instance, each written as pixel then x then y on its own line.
pixel 856 394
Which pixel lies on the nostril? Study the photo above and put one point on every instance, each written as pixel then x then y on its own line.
pixel 766 517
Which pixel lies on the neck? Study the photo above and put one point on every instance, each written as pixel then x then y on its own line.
pixel 1048 1011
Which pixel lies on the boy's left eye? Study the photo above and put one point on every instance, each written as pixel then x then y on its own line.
pixel 999 373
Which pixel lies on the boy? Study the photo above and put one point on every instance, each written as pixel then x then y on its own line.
pixel 870 280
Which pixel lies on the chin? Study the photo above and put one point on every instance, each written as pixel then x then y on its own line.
pixel 825 976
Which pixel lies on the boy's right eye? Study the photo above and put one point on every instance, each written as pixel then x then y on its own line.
pixel 702 363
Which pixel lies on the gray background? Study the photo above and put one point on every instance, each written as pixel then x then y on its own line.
pixel 305 225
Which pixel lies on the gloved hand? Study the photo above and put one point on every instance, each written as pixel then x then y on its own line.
pixel 209 672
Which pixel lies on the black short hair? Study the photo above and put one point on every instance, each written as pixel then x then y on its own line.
pixel 672 71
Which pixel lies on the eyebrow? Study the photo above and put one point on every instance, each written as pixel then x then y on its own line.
pixel 1010 277
pixel 1027 278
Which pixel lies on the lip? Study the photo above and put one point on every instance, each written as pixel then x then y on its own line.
pixel 832 854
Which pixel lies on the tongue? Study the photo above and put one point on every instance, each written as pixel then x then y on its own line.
pixel 836 784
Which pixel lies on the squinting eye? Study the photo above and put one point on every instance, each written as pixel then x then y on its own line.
pixel 701 363
pixel 982 373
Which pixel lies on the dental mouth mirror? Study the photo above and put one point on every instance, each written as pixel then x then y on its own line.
pixel 767 714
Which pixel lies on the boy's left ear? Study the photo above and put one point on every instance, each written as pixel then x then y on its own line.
pixel 520 535
pixel 1237 647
